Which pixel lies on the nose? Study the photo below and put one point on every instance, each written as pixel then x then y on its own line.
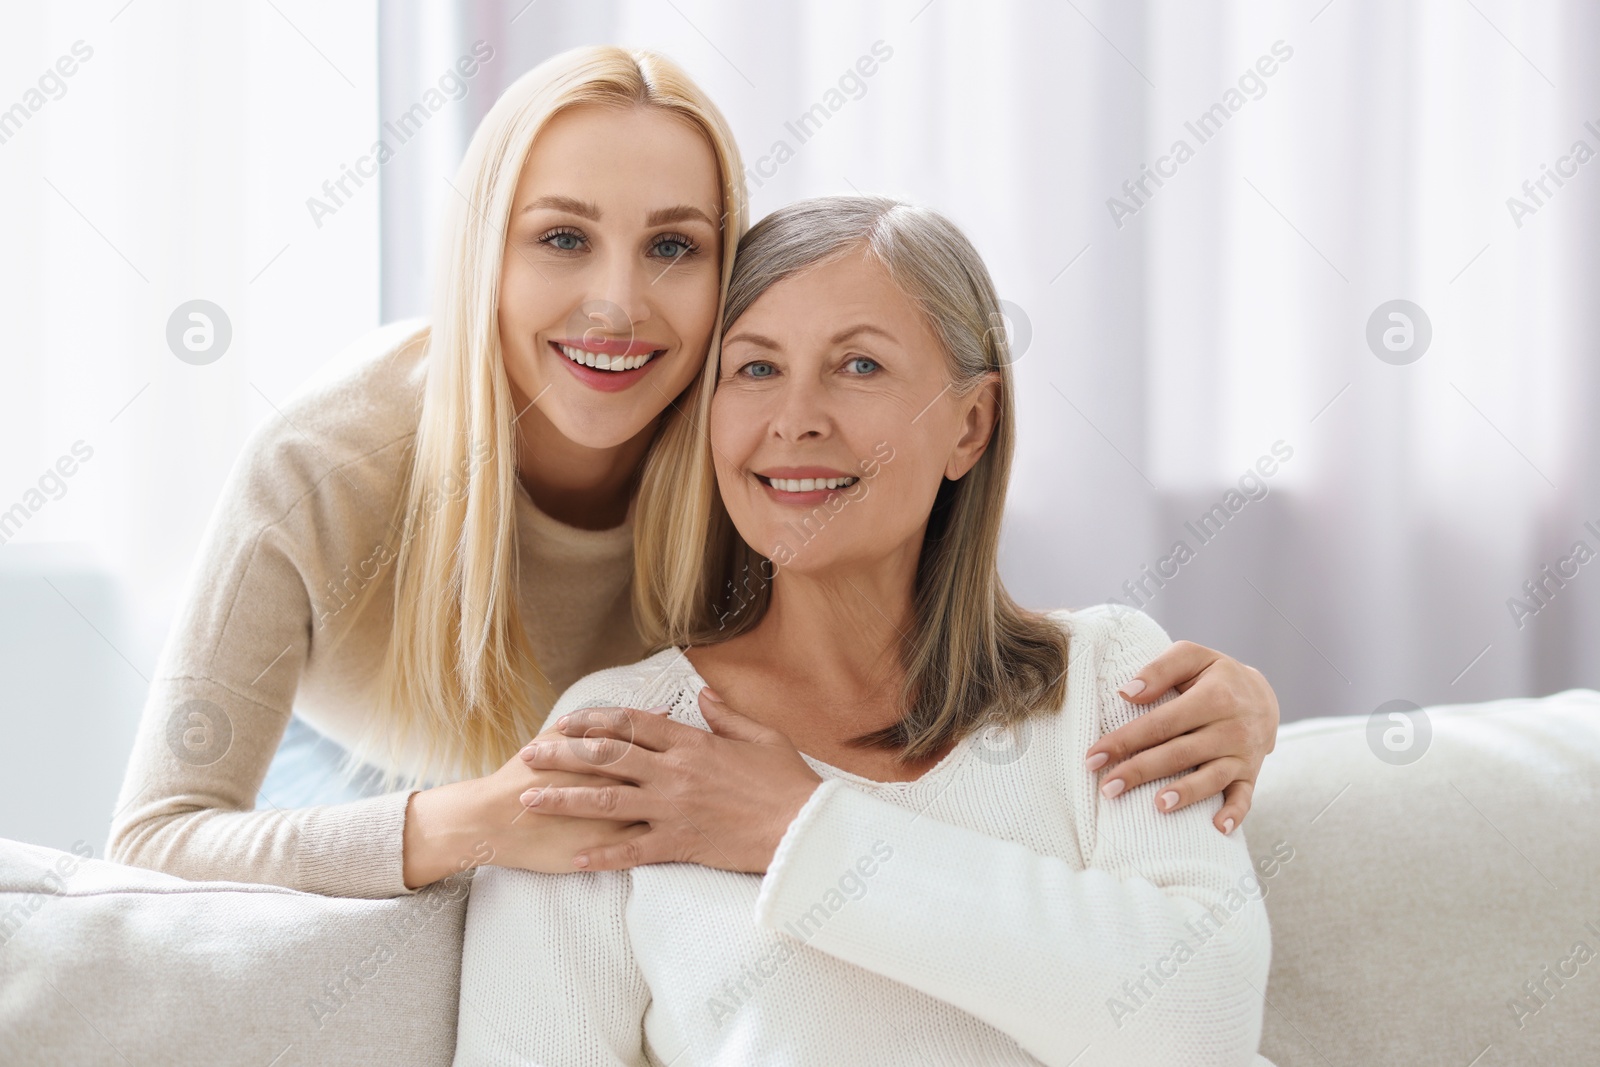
pixel 624 296
pixel 801 410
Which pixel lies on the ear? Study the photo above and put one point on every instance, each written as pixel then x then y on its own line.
pixel 981 409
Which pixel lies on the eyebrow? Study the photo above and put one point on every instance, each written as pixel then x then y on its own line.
pixel 751 338
pixel 682 213
pixel 839 338
pixel 851 331
pixel 571 205
pixel 591 211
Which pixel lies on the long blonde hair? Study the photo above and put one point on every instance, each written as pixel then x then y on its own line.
pixel 460 688
pixel 974 655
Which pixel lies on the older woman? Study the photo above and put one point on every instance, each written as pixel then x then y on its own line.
pixel 949 885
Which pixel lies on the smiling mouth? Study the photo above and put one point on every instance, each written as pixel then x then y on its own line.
pixel 604 361
pixel 806 485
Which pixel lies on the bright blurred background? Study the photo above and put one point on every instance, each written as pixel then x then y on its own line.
pixel 1426 529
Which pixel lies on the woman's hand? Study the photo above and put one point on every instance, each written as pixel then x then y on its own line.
pixel 534 839
pixel 720 799
pixel 483 820
pixel 1223 725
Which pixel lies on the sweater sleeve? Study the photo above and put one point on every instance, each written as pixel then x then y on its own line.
pixel 547 973
pixel 1155 952
pixel 225 684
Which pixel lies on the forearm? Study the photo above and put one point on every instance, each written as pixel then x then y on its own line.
pixel 1031 944
pixel 190 804
pixel 341 850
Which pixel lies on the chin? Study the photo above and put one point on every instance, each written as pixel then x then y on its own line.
pixel 597 430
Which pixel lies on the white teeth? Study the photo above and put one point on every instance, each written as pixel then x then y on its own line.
pixel 807 485
pixel 601 361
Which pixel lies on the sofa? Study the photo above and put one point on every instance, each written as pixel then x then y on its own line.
pixel 1432 877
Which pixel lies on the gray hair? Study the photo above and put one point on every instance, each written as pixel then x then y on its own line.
pixel 975 656
pixel 926 255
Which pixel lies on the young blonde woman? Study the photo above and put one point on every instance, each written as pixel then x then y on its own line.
pixel 949 886
pixel 437 537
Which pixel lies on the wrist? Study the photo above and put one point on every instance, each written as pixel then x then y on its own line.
pixel 442 834
pixel 791 811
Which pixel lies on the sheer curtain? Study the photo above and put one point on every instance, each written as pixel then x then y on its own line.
pixel 1427 488
pixel 1354 520
pixel 151 154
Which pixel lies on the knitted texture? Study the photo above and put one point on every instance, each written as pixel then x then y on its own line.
pixel 997 910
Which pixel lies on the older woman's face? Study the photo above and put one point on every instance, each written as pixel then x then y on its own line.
pixel 833 424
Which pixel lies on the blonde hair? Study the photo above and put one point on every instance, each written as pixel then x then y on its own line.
pixel 974 656
pixel 460 688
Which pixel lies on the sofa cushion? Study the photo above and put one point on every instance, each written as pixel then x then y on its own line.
pixel 105 963
pixel 1427 901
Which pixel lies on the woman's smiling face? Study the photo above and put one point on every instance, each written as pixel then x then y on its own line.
pixel 611 273
pixel 834 373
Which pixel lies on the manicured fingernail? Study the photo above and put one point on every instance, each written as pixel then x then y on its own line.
pixel 580 861
pixel 709 692
pixel 659 709
pixel 1169 799
pixel 532 797
pixel 1227 826
pixel 528 750
pixel 1112 788
pixel 1098 760
pixel 1133 688
pixel 563 720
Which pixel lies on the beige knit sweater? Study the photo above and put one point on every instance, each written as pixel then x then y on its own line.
pixel 301 527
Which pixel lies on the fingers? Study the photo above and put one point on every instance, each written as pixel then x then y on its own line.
pixel 1235 806
pixel 1216 776
pixel 1174 668
pixel 634 852
pixel 1172 719
pixel 1200 784
pixel 620 803
pixel 1208 777
pixel 609 756
pixel 727 722
pixel 648 728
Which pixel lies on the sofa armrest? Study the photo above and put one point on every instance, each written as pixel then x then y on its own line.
pixel 106 963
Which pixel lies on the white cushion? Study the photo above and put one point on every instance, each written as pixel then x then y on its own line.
pixel 1421 899
pixel 102 963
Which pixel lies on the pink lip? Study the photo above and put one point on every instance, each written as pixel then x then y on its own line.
pixel 610 348
pixel 607 381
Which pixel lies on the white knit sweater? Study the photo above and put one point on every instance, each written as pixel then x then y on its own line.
pixel 997 910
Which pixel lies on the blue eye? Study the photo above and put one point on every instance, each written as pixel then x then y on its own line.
pixel 753 367
pixel 563 240
pixel 862 359
pixel 669 247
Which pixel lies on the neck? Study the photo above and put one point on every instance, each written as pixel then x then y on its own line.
pixel 841 635
pixel 589 488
